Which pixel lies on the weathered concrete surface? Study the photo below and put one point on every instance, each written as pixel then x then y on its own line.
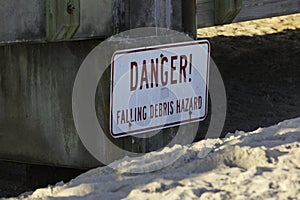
pixel 36 123
pixel 36 84
pixel 98 19
pixel 95 19
pixel 25 21
pixel 22 20
pixel 156 13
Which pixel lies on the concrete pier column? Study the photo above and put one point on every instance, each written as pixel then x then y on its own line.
pixel 179 15
pixel 37 80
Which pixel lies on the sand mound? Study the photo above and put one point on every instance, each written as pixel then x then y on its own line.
pixel 263 164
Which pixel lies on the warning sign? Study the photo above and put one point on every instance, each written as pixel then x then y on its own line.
pixel 158 87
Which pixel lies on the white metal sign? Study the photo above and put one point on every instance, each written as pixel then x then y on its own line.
pixel 158 87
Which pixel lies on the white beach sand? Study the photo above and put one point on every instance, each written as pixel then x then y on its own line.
pixel 263 164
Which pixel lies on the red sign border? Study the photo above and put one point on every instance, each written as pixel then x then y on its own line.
pixel 123 134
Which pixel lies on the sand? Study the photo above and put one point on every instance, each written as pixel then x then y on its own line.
pixel 262 164
pixel 253 27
